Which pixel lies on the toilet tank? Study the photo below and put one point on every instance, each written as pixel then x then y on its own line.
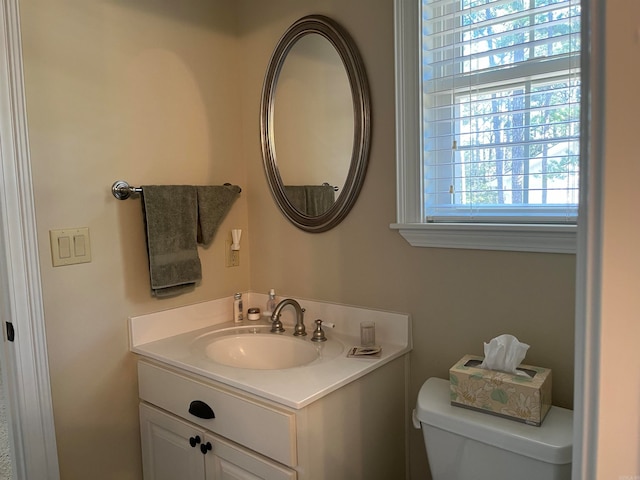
pixel 468 445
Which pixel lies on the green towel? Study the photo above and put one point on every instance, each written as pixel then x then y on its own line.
pixel 214 202
pixel 311 200
pixel 171 216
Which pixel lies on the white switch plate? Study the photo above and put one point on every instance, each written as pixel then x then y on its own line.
pixel 70 246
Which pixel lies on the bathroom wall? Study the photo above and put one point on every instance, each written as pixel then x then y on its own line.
pixel 145 91
pixel 457 298
pixel 158 91
pixel 617 423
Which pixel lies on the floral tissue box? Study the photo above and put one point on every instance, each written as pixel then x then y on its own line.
pixel 525 398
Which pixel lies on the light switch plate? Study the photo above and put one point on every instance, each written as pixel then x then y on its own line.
pixel 232 257
pixel 70 246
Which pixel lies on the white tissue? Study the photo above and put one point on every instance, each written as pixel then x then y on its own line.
pixel 504 353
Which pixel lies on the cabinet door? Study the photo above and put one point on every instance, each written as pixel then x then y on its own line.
pixel 228 461
pixel 167 451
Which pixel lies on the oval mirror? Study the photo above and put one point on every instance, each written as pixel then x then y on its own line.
pixel 315 123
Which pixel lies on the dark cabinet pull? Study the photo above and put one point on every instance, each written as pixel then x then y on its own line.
pixel 201 410
pixel 193 441
pixel 205 447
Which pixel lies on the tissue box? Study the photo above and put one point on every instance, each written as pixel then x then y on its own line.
pixel 525 399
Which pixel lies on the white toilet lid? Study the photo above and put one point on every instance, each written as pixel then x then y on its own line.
pixel 551 442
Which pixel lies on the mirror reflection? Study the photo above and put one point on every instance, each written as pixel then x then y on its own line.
pixel 313 124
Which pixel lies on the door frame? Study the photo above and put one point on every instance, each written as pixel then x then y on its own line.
pixel 29 390
pixel 589 252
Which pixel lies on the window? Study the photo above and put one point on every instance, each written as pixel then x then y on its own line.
pixel 488 123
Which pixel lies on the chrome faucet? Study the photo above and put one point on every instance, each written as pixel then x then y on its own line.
pixel 299 330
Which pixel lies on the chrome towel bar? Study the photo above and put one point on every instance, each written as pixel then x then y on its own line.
pixel 122 190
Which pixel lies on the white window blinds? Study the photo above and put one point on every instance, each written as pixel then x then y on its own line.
pixel 500 110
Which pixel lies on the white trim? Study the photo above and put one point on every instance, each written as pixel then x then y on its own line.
pixel 518 238
pixel 34 433
pixel 408 105
pixel 526 238
pixel 589 257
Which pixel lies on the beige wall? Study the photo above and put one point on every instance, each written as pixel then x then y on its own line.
pixel 168 92
pixel 135 90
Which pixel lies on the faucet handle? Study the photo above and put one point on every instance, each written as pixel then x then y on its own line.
pixel 318 333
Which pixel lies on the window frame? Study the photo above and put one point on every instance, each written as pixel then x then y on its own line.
pixel 548 238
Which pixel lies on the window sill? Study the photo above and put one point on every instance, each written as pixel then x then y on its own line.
pixel 515 238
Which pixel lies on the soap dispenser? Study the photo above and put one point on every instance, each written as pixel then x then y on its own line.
pixel 238 315
pixel 271 303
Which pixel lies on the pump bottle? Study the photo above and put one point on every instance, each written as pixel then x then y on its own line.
pixel 271 303
pixel 238 315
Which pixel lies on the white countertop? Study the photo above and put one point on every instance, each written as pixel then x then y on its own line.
pixel 156 336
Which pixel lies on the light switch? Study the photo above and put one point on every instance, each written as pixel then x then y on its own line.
pixel 64 247
pixel 78 242
pixel 70 246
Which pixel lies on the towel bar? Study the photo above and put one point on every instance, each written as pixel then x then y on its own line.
pixel 327 184
pixel 122 190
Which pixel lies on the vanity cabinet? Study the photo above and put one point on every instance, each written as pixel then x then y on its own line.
pixel 174 449
pixel 355 432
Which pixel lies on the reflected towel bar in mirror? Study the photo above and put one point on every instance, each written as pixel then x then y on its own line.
pixel 327 184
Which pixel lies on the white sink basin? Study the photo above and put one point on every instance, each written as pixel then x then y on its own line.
pixel 262 351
